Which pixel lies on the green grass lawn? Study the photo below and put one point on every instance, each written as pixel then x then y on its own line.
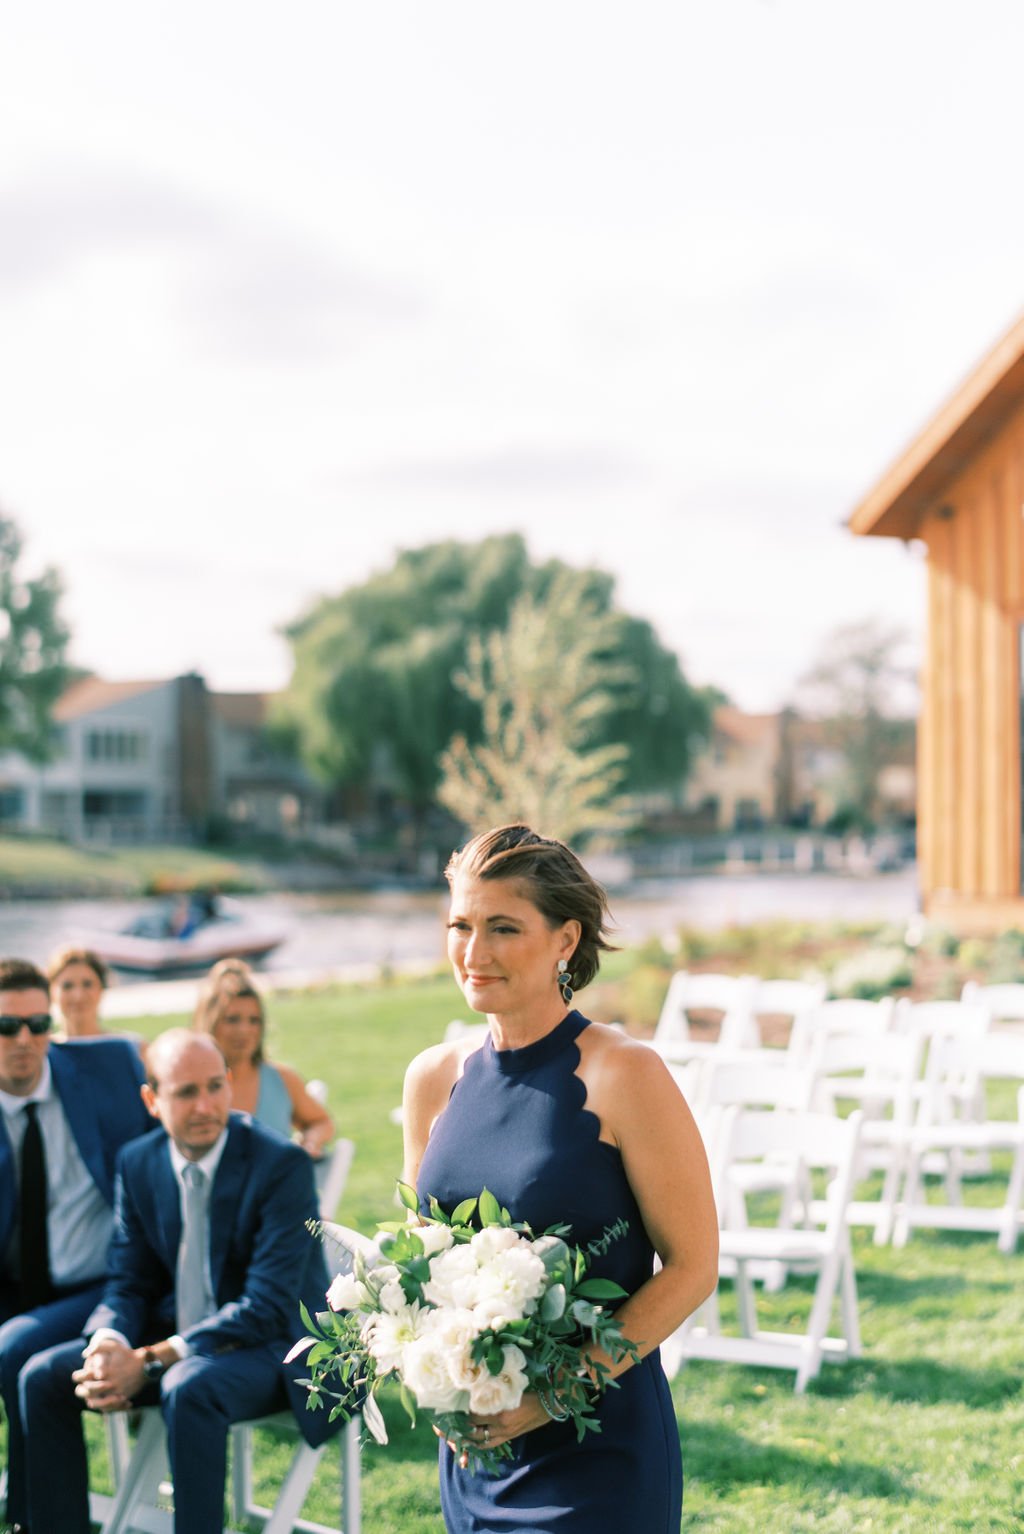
pixel 38 866
pixel 920 1434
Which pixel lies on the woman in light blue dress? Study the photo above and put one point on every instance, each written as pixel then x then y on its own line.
pixel 231 1009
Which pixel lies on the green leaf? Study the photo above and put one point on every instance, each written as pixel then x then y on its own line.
pixel 407 1196
pixel 463 1213
pixel 408 1401
pixel 374 1419
pixel 601 1289
pixel 490 1209
pixel 552 1306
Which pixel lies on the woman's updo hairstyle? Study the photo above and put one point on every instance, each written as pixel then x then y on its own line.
pixel 553 878
pixel 227 980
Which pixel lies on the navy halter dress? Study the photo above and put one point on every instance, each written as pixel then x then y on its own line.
pixel 517 1123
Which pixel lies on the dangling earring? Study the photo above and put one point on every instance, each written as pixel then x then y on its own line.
pixel 564 981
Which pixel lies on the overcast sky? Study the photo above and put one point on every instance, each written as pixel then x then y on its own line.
pixel 665 286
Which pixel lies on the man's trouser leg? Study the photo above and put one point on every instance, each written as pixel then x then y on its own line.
pixel 200 1398
pixel 21 1337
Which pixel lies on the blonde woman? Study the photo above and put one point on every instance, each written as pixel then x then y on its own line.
pixel 230 1009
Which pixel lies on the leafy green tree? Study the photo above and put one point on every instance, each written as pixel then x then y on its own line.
pixel 544 687
pixel 861 689
pixel 33 642
pixel 372 693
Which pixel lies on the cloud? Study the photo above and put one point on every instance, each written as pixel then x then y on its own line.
pixel 515 469
pixel 242 285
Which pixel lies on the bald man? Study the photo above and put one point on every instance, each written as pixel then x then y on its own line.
pixel 209 1261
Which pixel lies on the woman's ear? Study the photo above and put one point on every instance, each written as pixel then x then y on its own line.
pixel 572 931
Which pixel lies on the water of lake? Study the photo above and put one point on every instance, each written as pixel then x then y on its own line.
pixel 331 932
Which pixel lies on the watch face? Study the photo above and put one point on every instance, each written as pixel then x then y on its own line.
pixel 152 1368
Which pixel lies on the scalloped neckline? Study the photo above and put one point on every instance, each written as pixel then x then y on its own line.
pixel 513 1062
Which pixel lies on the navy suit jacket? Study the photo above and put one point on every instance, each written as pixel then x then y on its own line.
pixel 97 1082
pixel 263 1261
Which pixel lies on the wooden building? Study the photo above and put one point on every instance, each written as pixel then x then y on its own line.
pixel 959 488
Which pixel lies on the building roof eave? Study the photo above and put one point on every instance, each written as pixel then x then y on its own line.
pixel 973 415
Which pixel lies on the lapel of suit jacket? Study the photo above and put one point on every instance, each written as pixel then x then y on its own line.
pixel 77 1094
pixel 225 1197
pixel 163 1195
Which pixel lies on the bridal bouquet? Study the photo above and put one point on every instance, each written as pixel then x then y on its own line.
pixel 466 1318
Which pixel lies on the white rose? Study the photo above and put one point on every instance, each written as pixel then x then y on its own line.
pixel 453 1280
pixel 500 1392
pixel 487 1243
pixel 425 1372
pixel 490 1315
pixel 517 1277
pixel 454 1331
pixel 347 1293
pixel 389 1334
pixel 435 1238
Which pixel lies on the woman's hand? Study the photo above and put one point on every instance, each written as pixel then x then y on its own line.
pixel 502 1427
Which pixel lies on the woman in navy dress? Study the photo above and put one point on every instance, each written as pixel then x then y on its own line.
pixel 566 1122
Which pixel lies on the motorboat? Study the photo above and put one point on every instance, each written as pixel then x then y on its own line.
pixel 188 934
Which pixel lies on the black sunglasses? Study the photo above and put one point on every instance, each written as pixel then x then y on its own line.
pixel 39 1022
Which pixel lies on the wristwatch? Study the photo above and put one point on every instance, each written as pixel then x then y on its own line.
pixel 152 1367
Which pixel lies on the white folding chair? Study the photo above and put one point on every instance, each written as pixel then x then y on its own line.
pixel 936 1021
pixel 842 1016
pixel 821 1144
pixel 731 995
pixel 1004 1003
pixel 958 1070
pixel 742 1083
pixel 787 998
pixel 880 1073
pixel 139 1505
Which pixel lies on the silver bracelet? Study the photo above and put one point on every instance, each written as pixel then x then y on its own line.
pixel 551 1404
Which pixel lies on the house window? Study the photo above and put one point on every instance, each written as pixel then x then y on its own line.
pixel 116 746
pixel 11 805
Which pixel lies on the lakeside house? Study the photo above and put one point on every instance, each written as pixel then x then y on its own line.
pixel 782 769
pixel 156 760
pixel 959 489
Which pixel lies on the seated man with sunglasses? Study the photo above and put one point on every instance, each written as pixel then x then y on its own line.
pixel 65 1112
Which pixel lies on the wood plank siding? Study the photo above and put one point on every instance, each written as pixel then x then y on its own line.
pixel 960 489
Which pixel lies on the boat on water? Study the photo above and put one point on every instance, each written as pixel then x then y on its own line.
pixel 192 933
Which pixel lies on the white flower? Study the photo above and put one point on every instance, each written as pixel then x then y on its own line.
pixel 455 1331
pixel 487 1243
pixel 388 1335
pixel 453 1281
pixel 392 1297
pixel 517 1277
pixel 347 1293
pixel 435 1238
pixel 425 1371
pixel 490 1315
pixel 500 1392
